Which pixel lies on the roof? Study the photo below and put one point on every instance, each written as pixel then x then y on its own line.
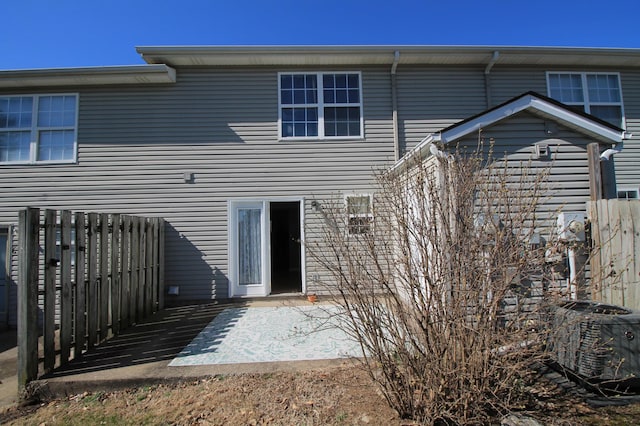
pixel 51 77
pixel 531 102
pixel 372 55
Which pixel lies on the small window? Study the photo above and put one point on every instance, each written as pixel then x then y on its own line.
pixel 628 194
pixel 38 129
pixel 359 214
pixel 594 93
pixel 320 106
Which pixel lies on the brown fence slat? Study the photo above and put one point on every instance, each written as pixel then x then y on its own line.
pixel 50 272
pixel 124 272
pixel 596 265
pixel 29 241
pixel 80 287
pixel 154 266
pixel 92 278
pixel 160 263
pixel 103 256
pixel 141 267
pixel 135 264
pixel 66 301
pixel 115 274
pixel 148 270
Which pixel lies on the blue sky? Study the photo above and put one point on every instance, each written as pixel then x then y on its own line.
pixel 69 33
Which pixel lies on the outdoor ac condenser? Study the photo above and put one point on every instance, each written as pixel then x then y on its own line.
pixel 598 342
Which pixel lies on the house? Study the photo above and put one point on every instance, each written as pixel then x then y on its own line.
pixel 235 147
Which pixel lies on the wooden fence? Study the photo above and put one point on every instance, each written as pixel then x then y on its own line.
pixel 93 275
pixel 615 260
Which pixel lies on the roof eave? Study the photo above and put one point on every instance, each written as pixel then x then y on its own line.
pixel 372 55
pixel 88 76
pixel 532 103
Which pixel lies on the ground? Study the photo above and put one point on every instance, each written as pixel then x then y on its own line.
pixel 329 396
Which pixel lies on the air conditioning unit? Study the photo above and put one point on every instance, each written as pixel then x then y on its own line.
pixel 597 342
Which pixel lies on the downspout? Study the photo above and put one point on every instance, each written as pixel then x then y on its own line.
pixel 394 106
pixel 487 71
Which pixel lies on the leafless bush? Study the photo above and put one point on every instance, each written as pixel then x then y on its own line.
pixel 443 286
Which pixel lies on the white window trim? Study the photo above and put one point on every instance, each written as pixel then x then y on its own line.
pixel 369 215
pixel 320 105
pixel 585 92
pixel 628 189
pixel 35 129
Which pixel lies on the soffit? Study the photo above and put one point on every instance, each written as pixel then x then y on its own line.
pixel 378 55
pixel 52 77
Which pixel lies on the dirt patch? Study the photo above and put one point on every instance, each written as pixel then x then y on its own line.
pixel 330 396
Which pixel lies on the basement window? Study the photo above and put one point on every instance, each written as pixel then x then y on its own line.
pixel 628 194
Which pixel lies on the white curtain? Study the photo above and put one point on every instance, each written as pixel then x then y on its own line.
pixel 249 246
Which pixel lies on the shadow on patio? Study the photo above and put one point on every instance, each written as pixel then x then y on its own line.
pixel 159 338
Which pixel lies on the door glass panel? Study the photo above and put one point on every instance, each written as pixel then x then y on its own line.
pixel 249 246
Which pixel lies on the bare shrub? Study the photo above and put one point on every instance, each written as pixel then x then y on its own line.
pixel 443 288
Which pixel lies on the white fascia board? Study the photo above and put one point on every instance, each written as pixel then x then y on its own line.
pixel 88 76
pixel 420 151
pixel 530 102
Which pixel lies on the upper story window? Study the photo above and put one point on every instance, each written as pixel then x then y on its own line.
pixel 320 105
pixel 598 94
pixel 38 129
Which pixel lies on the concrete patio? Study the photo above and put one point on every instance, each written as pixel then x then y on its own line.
pixel 195 341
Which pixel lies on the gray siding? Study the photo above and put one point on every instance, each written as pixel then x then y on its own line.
pixel 136 144
pixel 568 182
pixel 430 99
pixel 628 162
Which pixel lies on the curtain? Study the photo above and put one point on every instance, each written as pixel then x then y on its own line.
pixel 249 246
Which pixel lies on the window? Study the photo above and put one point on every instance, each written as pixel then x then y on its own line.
pixel 38 128
pixel 320 105
pixel 359 214
pixel 595 93
pixel 628 194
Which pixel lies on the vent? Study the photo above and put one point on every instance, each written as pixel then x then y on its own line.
pixel 598 342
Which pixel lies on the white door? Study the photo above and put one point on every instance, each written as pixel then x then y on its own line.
pixel 249 242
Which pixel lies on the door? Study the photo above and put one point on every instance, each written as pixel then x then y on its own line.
pixel 248 249
pixel 285 250
pixel 4 283
pixel 265 252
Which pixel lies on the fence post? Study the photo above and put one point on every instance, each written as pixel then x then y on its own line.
pixel 595 175
pixel 29 234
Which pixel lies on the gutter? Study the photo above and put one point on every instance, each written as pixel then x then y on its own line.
pixel 487 71
pixel 606 155
pixel 394 106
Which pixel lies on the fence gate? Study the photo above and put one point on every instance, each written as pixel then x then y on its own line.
pixel 83 277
